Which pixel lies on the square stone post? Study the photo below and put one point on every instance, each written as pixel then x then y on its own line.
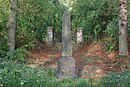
pixel 49 35
pixel 80 35
pixel 66 64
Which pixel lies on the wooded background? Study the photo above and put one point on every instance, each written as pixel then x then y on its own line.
pixel 99 19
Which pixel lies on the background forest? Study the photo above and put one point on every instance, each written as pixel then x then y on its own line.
pixel 99 19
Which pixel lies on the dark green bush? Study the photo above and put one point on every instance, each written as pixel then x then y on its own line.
pixel 13 74
pixel 20 55
pixel 116 80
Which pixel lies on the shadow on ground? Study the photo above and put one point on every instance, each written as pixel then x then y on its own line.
pixel 92 60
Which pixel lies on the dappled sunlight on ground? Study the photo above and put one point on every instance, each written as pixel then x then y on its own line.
pixel 92 60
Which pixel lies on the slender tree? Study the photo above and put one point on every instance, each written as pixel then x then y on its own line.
pixel 12 25
pixel 123 26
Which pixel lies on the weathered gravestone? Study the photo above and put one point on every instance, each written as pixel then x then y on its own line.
pixel 66 64
pixel 49 35
pixel 80 35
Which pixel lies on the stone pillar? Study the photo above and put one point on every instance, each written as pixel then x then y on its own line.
pixel 66 64
pixel 80 35
pixel 49 35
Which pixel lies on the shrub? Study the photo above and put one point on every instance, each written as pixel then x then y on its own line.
pixel 13 74
pixel 20 54
pixel 116 80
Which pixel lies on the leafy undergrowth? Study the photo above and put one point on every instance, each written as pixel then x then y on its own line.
pixel 13 74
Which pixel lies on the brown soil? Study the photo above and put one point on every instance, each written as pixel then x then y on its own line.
pixel 92 60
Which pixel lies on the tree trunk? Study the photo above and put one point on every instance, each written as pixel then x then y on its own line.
pixel 12 25
pixel 123 26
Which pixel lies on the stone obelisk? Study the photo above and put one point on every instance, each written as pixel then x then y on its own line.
pixel 66 64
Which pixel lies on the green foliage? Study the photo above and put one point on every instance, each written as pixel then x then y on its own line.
pixel 13 74
pixel 95 16
pixel 25 40
pixel 110 44
pixel 19 75
pixel 111 39
pixel 116 80
pixel 36 15
pixel 98 18
pixel 3 41
pixel 20 55
pixel 3 31
pixel 112 28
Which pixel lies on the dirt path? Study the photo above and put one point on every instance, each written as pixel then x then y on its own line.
pixel 92 60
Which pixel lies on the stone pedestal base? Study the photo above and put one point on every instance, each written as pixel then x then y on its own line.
pixel 66 67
